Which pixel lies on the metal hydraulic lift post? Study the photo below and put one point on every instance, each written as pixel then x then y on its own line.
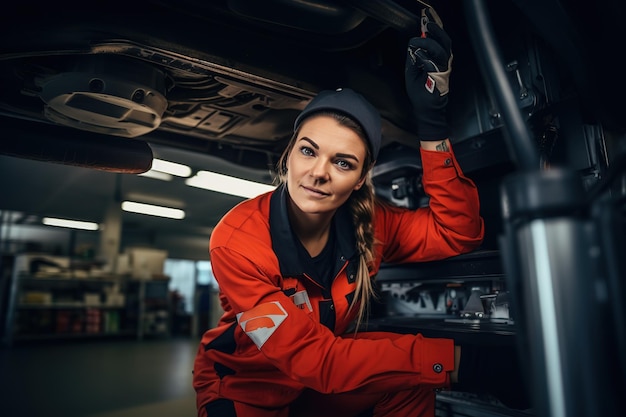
pixel 558 253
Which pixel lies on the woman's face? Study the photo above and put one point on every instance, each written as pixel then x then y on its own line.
pixel 325 165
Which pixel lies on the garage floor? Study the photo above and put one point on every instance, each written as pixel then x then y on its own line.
pixel 111 378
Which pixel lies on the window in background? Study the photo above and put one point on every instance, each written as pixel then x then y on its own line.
pixel 209 309
pixel 205 274
pixel 182 275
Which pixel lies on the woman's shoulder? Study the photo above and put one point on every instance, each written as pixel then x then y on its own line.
pixel 247 220
pixel 257 208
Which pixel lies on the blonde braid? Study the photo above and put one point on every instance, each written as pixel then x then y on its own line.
pixel 362 209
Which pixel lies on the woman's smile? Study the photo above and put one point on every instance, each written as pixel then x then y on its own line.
pixel 315 192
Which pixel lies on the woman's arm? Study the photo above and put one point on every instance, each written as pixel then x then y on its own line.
pixel 450 225
pixel 308 352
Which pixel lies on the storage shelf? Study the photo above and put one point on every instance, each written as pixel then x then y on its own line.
pixel 45 306
pixel 53 336
pixel 47 278
pixel 64 306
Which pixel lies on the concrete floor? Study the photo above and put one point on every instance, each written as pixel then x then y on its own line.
pixel 98 378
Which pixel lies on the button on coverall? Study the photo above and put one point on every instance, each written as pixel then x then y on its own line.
pixel 282 333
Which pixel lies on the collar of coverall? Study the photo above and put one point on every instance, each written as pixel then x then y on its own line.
pixel 282 236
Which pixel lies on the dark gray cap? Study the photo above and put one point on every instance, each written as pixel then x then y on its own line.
pixel 353 104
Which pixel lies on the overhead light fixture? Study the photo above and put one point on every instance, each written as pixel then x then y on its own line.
pixel 164 170
pixel 172 168
pixel 228 185
pixel 72 224
pixel 153 210
pixel 157 175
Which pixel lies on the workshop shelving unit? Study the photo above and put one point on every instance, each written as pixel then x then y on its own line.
pixel 149 307
pixel 62 306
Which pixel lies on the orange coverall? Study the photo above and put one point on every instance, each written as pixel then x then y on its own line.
pixel 283 332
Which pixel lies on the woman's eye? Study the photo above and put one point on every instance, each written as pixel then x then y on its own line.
pixel 343 164
pixel 305 150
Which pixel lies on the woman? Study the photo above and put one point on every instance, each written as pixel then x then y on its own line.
pixel 295 269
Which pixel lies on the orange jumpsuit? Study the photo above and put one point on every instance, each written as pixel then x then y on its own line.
pixel 282 331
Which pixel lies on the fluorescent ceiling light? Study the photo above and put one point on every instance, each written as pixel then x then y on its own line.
pixel 228 185
pixel 157 175
pixel 73 224
pixel 152 210
pixel 172 168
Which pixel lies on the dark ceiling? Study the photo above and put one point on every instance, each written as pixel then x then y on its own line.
pixel 216 85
